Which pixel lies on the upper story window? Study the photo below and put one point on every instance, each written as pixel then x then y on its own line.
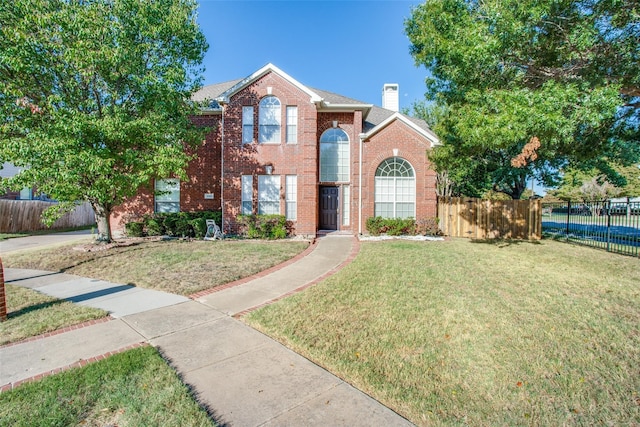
pixel 247 125
pixel 334 156
pixel 269 120
pixel 292 124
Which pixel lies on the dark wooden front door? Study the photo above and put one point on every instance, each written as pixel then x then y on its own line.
pixel 329 208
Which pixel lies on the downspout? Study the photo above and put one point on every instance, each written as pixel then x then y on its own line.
pixel 361 137
pixel 222 104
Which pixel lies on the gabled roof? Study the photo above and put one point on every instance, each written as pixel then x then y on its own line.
pixel 269 68
pixel 379 118
pixel 375 118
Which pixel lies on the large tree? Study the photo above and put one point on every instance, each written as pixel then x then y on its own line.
pixel 95 96
pixel 547 82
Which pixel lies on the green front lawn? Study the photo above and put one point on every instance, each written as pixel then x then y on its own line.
pixel 32 313
pixel 464 333
pixel 179 267
pixel 134 388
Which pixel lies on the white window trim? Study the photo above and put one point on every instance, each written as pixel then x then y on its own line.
pixel 265 190
pixel 246 205
pixel 247 123
pixel 394 181
pixel 169 196
pixel 291 197
pixel 292 124
pixel 346 158
pixel 264 121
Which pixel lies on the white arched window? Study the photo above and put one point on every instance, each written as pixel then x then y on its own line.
pixel 269 120
pixel 334 156
pixel 395 189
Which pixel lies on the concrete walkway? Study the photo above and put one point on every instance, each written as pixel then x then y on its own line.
pixel 44 240
pixel 243 377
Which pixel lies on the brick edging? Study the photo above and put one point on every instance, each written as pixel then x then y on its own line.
pixel 355 249
pixel 60 331
pixel 78 364
pixel 263 273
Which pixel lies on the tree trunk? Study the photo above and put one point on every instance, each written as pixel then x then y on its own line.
pixel 3 295
pixel 102 214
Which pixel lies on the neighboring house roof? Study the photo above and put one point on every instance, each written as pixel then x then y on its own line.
pixel 375 118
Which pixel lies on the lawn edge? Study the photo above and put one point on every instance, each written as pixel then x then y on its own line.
pixel 80 363
pixel 200 294
pixel 62 330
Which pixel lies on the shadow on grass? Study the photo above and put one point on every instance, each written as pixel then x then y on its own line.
pixel 503 243
pixel 32 308
pixel 104 253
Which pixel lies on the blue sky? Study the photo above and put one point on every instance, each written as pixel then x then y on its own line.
pixel 348 47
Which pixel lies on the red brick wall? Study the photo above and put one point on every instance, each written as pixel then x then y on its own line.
pixel 411 147
pixel 287 159
pixel 202 173
pixel 299 159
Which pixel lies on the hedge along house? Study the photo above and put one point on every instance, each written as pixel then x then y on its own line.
pixel 325 161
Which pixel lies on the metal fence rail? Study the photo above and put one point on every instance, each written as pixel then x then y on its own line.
pixel 609 225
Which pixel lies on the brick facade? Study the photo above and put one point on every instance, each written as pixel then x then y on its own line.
pixel 219 176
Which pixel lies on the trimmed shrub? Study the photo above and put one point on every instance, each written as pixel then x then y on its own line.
pixel 428 227
pixel 154 226
pixel 183 225
pixel 134 229
pixel 391 226
pixel 178 224
pixel 199 226
pixel 262 226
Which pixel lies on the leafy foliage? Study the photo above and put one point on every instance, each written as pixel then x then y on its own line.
pixel 591 184
pixel 523 88
pixel 263 226
pixel 178 224
pixel 94 96
pixel 402 226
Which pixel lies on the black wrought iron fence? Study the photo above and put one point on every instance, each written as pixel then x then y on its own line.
pixel 610 225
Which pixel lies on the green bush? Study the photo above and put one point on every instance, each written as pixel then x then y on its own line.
pixel 134 229
pixel 183 225
pixel 263 226
pixel 199 226
pixel 391 226
pixel 178 224
pixel 153 226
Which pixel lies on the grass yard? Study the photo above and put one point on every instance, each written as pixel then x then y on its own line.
pixel 31 313
pixel 134 388
pixel 179 267
pixel 470 333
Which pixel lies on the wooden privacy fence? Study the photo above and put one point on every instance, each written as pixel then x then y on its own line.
pixel 490 219
pixel 25 215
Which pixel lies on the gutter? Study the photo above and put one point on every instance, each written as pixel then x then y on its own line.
pixel 222 102
pixel 362 137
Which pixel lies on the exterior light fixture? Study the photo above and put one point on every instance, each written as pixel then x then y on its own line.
pixel 268 169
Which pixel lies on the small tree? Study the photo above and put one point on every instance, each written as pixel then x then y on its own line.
pixel 598 189
pixel 94 96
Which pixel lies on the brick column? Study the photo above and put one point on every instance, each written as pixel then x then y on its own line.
pixel 3 298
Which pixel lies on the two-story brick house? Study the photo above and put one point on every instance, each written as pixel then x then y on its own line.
pixel 325 161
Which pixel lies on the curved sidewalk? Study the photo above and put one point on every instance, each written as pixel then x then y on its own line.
pixel 243 377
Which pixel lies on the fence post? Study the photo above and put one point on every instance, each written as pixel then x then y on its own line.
pixel 607 205
pixel 3 296
pixel 568 219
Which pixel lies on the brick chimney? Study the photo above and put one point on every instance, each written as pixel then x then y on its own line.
pixel 390 97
